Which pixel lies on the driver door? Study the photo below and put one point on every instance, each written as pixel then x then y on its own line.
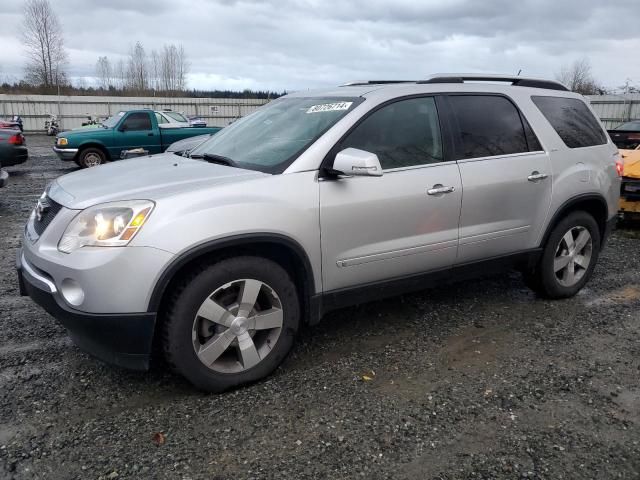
pixel 402 223
pixel 136 131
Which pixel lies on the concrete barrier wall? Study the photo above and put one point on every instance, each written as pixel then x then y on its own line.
pixel 73 110
pixel 218 112
pixel 616 109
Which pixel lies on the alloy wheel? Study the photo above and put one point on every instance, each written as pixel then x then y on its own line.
pixel 573 256
pixel 237 326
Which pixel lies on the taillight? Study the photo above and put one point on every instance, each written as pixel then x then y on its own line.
pixel 620 167
pixel 633 136
pixel 17 139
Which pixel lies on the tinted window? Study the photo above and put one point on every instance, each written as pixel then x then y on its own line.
pixel 138 121
pixel 630 126
pixel 488 126
pixel 572 120
pixel 402 134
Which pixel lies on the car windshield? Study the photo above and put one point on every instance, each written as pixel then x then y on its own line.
pixel 176 116
pixel 113 120
pixel 272 137
pixel 630 126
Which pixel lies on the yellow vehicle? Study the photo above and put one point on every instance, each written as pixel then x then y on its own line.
pixel 630 190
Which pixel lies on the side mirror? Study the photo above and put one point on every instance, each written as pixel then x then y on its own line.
pixel 352 161
pixel 122 128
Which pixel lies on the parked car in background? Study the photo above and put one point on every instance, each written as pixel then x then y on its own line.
pixel 14 122
pixel 13 151
pixel 195 121
pixel 90 147
pixel 184 147
pixel 316 201
pixel 630 190
pixel 13 147
pixel 626 135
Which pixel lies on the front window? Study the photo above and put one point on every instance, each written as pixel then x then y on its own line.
pixel 272 137
pixel 176 116
pixel 630 126
pixel 113 120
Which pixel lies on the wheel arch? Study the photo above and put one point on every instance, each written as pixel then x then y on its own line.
pixel 283 250
pixel 94 144
pixel 592 203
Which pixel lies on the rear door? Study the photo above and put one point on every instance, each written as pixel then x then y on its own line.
pixel 402 223
pixel 506 177
pixel 136 130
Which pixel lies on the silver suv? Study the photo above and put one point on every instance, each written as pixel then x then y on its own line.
pixel 316 201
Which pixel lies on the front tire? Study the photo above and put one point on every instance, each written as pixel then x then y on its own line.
pixel 568 258
pixel 91 157
pixel 231 323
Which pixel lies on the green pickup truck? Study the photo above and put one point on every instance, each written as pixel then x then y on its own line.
pixel 145 129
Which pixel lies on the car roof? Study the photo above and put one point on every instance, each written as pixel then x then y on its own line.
pixel 444 83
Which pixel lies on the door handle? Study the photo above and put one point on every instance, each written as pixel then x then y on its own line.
pixel 535 176
pixel 438 189
pixel 149 134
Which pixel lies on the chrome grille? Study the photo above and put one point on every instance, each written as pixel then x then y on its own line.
pixel 47 215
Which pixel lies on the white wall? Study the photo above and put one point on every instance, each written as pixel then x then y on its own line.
pixel 616 109
pixel 73 110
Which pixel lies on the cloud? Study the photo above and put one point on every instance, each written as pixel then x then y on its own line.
pixel 296 44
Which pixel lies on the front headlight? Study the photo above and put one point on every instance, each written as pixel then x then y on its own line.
pixel 106 225
pixel 62 142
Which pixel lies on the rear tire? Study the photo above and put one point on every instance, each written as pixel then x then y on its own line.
pixel 91 157
pixel 231 323
pixel 568 258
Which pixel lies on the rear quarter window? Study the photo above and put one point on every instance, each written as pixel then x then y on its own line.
pixel 572 120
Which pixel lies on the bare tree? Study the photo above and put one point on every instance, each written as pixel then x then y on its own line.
pixel 104 73
pixel 44 44
pixel 154 68
pixel 137 69
pixel 173 68
pixel 183 66
pixel 120 75
pixel 578 77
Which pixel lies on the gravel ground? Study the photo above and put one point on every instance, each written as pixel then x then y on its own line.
pixel 478 380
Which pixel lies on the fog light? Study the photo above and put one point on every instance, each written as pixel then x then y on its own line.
pixel 72 292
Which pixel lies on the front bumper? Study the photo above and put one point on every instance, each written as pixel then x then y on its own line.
pixel 122 339
pixel 66 153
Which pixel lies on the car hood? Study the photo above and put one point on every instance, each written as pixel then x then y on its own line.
pixel 145 178
pixel 86 130
pixel 631 159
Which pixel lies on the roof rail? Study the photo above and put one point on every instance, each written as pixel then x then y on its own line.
pixel 375 82
pixel 477 77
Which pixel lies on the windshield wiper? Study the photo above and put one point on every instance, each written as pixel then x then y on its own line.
pixel 219 159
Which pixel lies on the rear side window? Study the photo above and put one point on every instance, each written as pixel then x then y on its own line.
pixel 138 121
pixel 488 125
pixel 402 134
pixel 572 120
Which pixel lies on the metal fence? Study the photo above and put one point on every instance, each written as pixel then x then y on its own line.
pixel 73 110
pixel 616 109
pixel 218 112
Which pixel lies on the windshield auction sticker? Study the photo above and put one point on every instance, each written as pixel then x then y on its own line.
pixel 329 107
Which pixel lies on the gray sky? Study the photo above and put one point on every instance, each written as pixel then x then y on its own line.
pixel 292 45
